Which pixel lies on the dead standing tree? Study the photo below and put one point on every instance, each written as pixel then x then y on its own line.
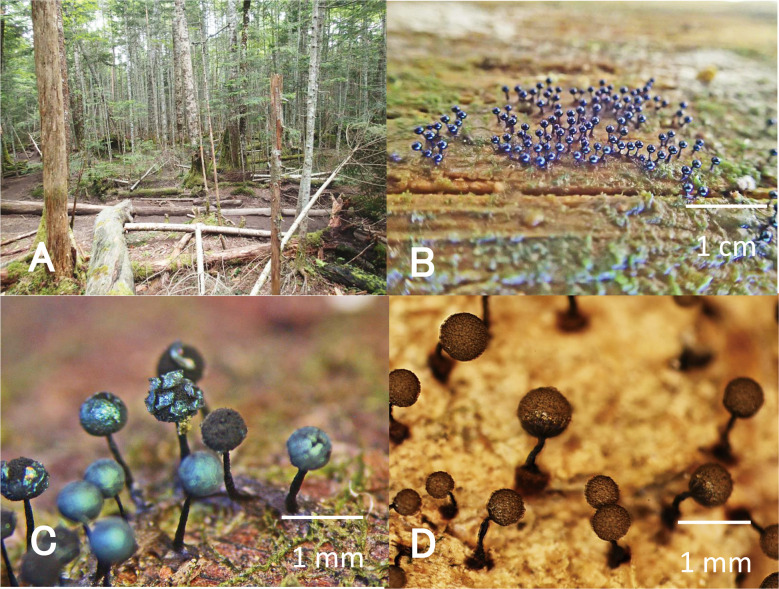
pixel 51 102
pixel 275 172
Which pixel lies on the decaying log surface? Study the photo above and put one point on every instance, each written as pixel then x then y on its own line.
pixel 352 277
pixel 238 254
pixel 26 207
pixel 110 271
pixel 191 229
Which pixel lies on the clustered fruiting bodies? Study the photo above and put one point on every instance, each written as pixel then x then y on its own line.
pixel 102 415
pixel 463 337
pixel 596 129
pixel 710 485
pixel 172 398
pixel 309 448
pixel 435 146
pixel 505 507
pixel 404 389
pixel 611 521
pixel 544 413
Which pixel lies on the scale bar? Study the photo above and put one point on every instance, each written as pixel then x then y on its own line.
pixel 756 206
pixel 321 517
pixel 706 522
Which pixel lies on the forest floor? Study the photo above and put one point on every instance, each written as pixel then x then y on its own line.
pixel 636 417
pixel 283 363
pixel 497 227
pixel 335 245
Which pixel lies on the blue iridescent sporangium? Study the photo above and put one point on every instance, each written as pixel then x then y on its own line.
pixel 23 478
pixel 173 398
pixel 103 414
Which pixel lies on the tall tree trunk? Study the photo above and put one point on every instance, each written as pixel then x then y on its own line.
pixel 64 73
pixel 242 108
pixel 77 98
pixel 51 103
pixel 151 89
pixel 129 83
pixel 187 98
pixel 231 141
pixel 277 131
pixel 313 83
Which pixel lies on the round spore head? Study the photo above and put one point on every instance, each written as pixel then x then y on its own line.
pixel 404 388
pixel 439 484
pixel 610 522
pixel 112 540
pixel 67 543
pixel 8 522
pixel 770 582
pixel 223 430
pixel 464 336
pixel 505 507
pixel 407 502
pixel 181 357
pixel 173 398
pixel 743 397
pixel 22 478
pixel 201 474
pixel 103 414
pixel 309 448
pixel 711 485
pixel 40 571
pixel 107 475
pixel 601 490
pixel 80 501
pixel 544 412
pixel 397 577
pixel 769 541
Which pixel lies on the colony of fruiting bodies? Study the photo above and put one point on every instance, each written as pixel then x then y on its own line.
pixel 545 127
pixel 174 398
pixel 545 413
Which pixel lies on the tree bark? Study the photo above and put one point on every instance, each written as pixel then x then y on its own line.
pixel 275 203
pixel 63 61
pixel 187 77
pixel 51 103
pixel 313 81
pixel 238 254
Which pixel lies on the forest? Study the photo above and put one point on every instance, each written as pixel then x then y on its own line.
pixel 193 146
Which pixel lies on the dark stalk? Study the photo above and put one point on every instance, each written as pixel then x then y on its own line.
pixel 291 501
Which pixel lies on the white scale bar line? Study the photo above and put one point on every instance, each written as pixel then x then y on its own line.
pixel 734 522
pixel 758 206
pixel 321 517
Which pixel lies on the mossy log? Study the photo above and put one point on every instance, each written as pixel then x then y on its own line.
pixel 110 271
pixel 238 254
pixel 353 277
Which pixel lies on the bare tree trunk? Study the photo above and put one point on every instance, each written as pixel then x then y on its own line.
pixel 151 90
pixel 129 84
pixel 187 98
pixel 78 101
pixel 242 108
pixel 64 73
pixel 313 83
pixel 51 102
pixel 275 170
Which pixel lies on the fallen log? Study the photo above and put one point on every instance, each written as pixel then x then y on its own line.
pixel 169 191
pixel 176 227
pixel 110 271
pixel 18 237
pixel 38 149
pixel 353 277
pixel 25 207
pixel 238 254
